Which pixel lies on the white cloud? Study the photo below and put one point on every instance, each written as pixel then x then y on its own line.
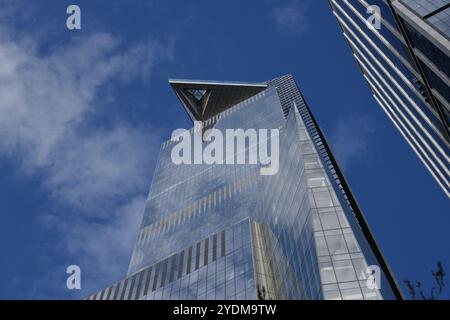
pixel 350 139
pixel 291 19
pixel 96 177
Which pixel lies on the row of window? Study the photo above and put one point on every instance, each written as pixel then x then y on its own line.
pixel 227 243
pixel 208 202
pixel 396 93
pixel 346 262
pixel 229 277
pixel 168 270
pixel 293 253
pixel 431 59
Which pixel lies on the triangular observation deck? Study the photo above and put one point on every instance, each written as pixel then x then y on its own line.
pixel 205 99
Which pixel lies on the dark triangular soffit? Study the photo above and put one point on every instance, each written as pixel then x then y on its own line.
pixel 205 99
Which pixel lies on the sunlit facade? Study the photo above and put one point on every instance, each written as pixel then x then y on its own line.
pixel 221 231
pixel 406 62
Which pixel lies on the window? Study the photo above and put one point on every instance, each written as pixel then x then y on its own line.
pixel 370 294
pixel 312 162
pixel 321 246
pixel 332 295
pixel 360 268
pixel 344 271
pixel 316 222
pixel 336 244
pixel 329 219
pixel 342 218
pixel 314 182
pixel 327 273
pixel 351 241
pixel 352 294
pixel 197 93
pixel 323 199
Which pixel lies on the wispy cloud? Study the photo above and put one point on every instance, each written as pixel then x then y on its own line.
pixel 291 19
pixel 95 175
pixel 351 138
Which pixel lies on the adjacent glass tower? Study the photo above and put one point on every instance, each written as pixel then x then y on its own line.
pixel 226 231
pixel 406 62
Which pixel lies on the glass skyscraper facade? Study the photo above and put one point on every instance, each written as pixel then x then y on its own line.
pixel 406 62
pixel 226 231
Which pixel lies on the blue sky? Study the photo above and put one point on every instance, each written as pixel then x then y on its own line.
pixel 82 114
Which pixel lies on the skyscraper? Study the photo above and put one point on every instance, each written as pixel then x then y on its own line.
pixel 406 61
pixel 228 231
